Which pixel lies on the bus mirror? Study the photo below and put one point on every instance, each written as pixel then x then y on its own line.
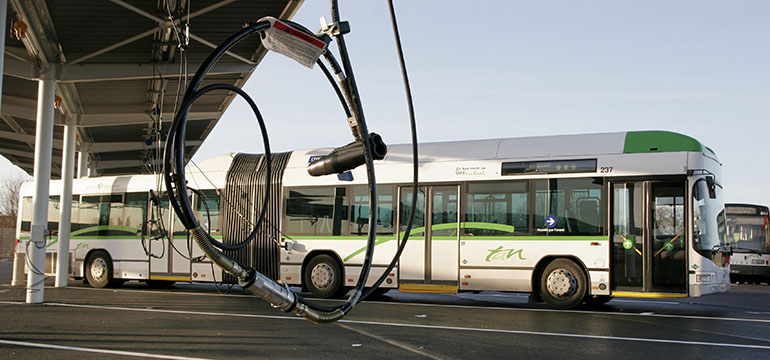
pixel 712 187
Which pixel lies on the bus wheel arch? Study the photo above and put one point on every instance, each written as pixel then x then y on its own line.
pixel 98 268
pixel 569 281
pixel 323 274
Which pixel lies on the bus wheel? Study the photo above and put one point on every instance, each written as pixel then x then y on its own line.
pixel 562 284
pixel 323 276
pixel 99 269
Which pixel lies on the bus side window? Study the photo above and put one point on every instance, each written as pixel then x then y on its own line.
pixel 317 211
pixel 496 209
pixel 589 214
pixel 574 204
pixel 207 211
pixel 359 224
pixel 26 216
pixel 53 214
pixel 135 212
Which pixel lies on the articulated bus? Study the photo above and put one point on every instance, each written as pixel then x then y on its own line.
pixel 570 219
pixel 749 237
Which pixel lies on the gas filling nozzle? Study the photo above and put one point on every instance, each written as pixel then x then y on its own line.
pixel 347 157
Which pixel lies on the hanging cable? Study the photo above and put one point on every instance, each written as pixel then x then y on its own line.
pixel 415 163
pixel 347 92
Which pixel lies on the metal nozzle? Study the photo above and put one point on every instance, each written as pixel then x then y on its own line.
pixel 347 157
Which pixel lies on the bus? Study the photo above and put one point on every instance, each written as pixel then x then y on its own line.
pixel 570 219
pixel 749 237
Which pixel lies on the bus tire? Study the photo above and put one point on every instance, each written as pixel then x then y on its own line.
pixel 99 269
pixel 562 284
pixel 323 276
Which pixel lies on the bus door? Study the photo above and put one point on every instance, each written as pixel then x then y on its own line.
pixel 430 260
pixel 158 243
pixel 648 237
pixel 170 260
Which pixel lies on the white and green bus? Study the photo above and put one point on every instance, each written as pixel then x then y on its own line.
pixel 570 219
pixel 749 236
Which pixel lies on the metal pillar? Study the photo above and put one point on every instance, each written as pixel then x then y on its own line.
pixel 15 280
pixel 82 164
pixel 3 15
pixel 65 207
pixel 43 147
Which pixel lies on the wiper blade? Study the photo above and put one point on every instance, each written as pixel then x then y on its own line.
pixel 747 249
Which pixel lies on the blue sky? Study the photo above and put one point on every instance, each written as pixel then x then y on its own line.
pixel 484 69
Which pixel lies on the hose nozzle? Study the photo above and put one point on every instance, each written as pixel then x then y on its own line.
pixel 347 157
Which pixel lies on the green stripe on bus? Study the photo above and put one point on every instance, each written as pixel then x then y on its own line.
pixel 378 242
pixel 536 238
pixel 659 141
pixel 104 227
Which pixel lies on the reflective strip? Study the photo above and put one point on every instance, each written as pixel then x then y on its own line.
pixel 647 295
pixel 426 288
pixel 170 278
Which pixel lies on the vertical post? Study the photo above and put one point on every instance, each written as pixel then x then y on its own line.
pixel 3 15
pixel 82 163
pixel 43 147
pixel 65 209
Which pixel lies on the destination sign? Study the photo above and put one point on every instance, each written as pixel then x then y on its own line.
pixel 549 167
pixel 746 210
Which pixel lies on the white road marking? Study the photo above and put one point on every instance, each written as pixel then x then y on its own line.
pixel 93 350
pixel 390 342
pixel 694 317
pixel 456 328
pixel 576 312
pixel 158 292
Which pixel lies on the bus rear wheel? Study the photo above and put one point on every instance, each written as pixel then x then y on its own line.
pixel 562 284
pixel 99 269
pixel 323 276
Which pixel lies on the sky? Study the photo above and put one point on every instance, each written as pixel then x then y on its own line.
pixel 490 69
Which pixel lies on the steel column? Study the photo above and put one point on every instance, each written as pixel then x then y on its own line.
pixel 82 164
pixel 3 15
pixel 43 147
pixel 65 204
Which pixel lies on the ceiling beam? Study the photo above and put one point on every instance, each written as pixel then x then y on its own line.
pixel 17 128
pixel 110 119
pixel 25 138
pixel 17 68
pixel 117 164
pixel 15 152
pixel 133 71
pixel 102 147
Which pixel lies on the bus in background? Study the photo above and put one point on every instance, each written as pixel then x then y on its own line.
pixel 749 235
pixel 571 219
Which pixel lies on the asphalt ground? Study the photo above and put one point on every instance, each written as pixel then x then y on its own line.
pixel 196 321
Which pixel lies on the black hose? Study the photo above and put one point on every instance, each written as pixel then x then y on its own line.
pixel 415 167
pixel 363 134
pixel 268 159
pixel 175 139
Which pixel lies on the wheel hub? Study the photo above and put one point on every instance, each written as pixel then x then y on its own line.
pixel 98 269
pixel 322 276
pixel 561 283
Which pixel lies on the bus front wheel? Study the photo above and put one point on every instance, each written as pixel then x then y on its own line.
pixel 323 276
pixel 99 269
pixel 562 284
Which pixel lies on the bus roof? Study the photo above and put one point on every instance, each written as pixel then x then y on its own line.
pixel 631 142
